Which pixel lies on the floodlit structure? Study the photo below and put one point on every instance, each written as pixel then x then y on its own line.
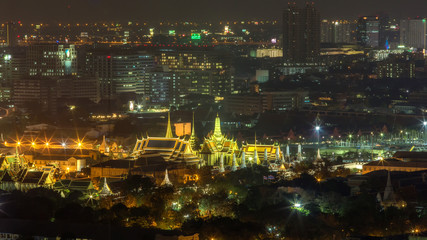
pixel 172 149
pixel 216 145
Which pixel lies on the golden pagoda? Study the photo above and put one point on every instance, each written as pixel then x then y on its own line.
pixel 171 149
pixel 216 145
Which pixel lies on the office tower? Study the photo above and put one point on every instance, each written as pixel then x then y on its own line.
pixel 12 65
pixel 51 60
pixel 337 31
pixel 301 33
pixel 119 71
pixel 201 72
pixel 413 33
pixel 368 31
pixel 11 37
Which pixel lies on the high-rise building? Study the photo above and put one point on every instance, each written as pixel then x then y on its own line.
pixel 337 31
pixel 368 31
pixel 12 65
pixel 201 72
pixel 11 37
pixel 301 33
pixel 118 71
pixel 413 33
pixel 52 60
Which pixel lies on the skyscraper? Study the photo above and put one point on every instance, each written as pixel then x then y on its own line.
pixel 11 34
pixel 337 31
pixel 301 33
pixel 413 33
pixel 52 60
pixel 368 31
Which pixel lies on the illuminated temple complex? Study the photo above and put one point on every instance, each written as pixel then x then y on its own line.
pixel 216 145
pixel 173 150
pixel 258 154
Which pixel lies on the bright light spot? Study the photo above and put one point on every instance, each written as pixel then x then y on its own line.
pixel 424 123
pixel 18 143
pixel 72 107
pixel 317 128
pixel 33 144
pixel 91 196
pixel 79 144
pixel 63 144
pixel 47 144
pixel 297 205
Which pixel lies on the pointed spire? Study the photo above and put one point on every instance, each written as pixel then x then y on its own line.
pixel 388 192
pixel 193 133
pixel 255 140
pixel 243 165
pixel 234 164
pixel 166 181
pixel 379 199
pixel 265 155
pixel 169 128
pixel 256 160
pixel 105 191
pixel 221 163
pixel 193 142
pixel 217 130
pixel 103 145
pixel 318 158
pixel 299 154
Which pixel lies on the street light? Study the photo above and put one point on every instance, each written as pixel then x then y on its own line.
pixel 318 135
pixel 425 131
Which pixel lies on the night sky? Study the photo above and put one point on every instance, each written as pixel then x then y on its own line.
pixel 65 10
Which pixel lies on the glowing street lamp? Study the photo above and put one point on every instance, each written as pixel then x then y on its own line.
pixel 317 128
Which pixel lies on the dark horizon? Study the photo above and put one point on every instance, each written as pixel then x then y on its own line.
pixel 203 10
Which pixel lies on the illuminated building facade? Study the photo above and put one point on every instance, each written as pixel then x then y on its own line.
pixel 413 33
pixel 262 154
pixel 216 145
pixel 51 60
pixel 201 72
pixel 337 31
pixel 395 69
pixel 119 71
pixel 172 150
pixel 368 31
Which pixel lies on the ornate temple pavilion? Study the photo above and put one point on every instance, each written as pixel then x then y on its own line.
pixel 216 145
pixel 174 150
pixel 258 154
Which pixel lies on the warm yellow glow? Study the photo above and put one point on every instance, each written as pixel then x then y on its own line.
pixel 79 144
pixel 47 144
pixel 18 143
pixel 33 144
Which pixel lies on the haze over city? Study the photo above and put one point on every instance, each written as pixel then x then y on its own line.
pixel 203 10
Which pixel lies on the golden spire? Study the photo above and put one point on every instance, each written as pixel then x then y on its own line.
pixel 255 140
pixel 169 129
pixel 192 140
pixel 217 131
pixel 193 133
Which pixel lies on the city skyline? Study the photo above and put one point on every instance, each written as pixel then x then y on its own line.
pixel 95 10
